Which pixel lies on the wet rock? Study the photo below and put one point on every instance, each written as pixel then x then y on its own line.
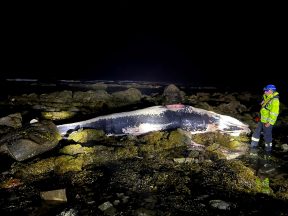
pixel 31 140
pixel 144 212
pixel 57 115
pixel 203 96
pixel 232 108
pixel 125 199
pixel 85 135
pixel 91 96
pixel 99 86
pixel 11 183
pixel 24 99
pixel 222 145
pixel 67 163
pixel 233 175
pixel 54 195
pixel 12 120
pixel 68 212
pixel 104 206
pixel 183 160
pixel 220 204
pixel 57 97
pixel 284 147
pixel 267 168
pixel 129 96
pixel 173 95
pixel 76 149
pixel 29 171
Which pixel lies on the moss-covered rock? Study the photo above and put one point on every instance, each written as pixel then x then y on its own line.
pixel 34 169
pixel 280 187
pixel 76 149
pixel 127 97
pixel 211 138
pixel 83 136
pixel 160 141
pixel 173 95
pixel 66 163
pixel 61 115
pixel 233 175
pixel 126 152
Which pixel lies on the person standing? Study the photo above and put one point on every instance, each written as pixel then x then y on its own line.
pixel 269 112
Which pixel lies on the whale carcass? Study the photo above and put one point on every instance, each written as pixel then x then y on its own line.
pixel 37 138
pixel 156 118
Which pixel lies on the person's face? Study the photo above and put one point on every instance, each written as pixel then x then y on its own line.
pixel 268 92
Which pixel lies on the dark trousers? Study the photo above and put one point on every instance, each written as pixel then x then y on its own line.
pixel 267 132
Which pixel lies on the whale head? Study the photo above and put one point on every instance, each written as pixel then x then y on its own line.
pixel 209 121
pixel 232 126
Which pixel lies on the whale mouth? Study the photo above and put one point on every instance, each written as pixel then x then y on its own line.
pixel 232 126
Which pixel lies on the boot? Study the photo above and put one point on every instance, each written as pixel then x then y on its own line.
pixel 254 144
pixel 268 147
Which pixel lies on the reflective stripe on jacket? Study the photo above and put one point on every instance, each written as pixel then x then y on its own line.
pixel 270 108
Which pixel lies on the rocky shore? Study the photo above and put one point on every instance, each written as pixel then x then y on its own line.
pixel 159 173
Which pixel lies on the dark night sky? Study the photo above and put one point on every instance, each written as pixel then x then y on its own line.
pixel 174 44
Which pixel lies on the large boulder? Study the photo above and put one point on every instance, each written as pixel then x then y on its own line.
pixel 173 95
pixel 31 140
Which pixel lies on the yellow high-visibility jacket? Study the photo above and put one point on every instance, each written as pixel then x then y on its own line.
pixel 270 108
